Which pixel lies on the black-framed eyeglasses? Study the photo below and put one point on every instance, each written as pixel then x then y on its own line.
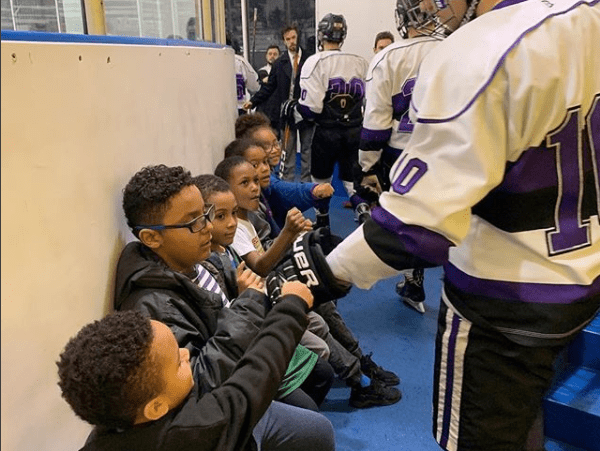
pixel 195 225
pixel 269 147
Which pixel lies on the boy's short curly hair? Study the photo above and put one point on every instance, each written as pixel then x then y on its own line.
pixel 107 371
pixel 146 196
pixel 247 124
pixel 209 184
pixel 225 167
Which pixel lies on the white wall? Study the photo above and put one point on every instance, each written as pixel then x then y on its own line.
pixel 364 18
pixel 78 120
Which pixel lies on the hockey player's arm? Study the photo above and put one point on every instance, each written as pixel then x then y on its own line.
pixel 312 91
pixel 378 119
pixel 251 77
pixel 372 253
pixel 369 254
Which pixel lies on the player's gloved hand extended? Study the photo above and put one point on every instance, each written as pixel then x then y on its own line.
pixel 367 193
pixel 366 184
pixel 288 109
pixel 371 182
pixel 309 265
pixel 327 240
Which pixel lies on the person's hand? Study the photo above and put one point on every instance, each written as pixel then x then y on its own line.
pixel 323 190
pixel 247 105
pixel 299 289
pixel 371 182
pixel 295 222
pixel 246 278
pixel 308 225
pixel 258 285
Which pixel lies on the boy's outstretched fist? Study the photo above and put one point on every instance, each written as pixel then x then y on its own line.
pixel 299 289
pixel 323 190
pixel 295 222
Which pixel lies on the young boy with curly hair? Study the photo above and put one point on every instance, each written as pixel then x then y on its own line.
pixel 126 375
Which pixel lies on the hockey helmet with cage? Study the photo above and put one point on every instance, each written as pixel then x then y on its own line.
pixel 409 14
pixel 332 28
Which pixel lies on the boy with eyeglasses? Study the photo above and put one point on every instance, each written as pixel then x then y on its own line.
pixel 158 276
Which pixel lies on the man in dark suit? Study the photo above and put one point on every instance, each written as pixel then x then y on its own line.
pixel 282 85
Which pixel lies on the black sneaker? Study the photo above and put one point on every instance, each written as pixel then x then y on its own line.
pixel 376 394
pixel 412 292
pixel 374 371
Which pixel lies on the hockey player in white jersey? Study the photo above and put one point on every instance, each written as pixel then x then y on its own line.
pixel 386 127
pixel 499 182
pixel 332 91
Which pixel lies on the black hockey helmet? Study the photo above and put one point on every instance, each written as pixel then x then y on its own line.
pixel 332 28
pixel 410 15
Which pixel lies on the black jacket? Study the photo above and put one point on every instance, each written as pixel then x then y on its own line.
pixel 277 88
pixel 222 420
pixel 216 337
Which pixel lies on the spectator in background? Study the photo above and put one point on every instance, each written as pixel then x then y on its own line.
pixel 271 55
pixel 382 40
pixel 191 29
pixel 271 106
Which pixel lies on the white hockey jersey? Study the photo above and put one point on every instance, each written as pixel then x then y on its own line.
pixel 389 84
pixel 332 85
pixel 246 80
pixel 500 178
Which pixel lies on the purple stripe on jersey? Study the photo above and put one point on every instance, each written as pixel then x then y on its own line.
pixel 379 136
pixel 535 169
pixel 417 240
pixel 450 362
pixel 506 3
pixel 306 112
pixel 401 102
pixel 497 67
pixel 538 293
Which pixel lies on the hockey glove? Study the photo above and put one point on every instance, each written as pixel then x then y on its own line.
pixel 327 240
pixel 284 272
pixel 311 267
pixel 287 112
pixel 366 184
